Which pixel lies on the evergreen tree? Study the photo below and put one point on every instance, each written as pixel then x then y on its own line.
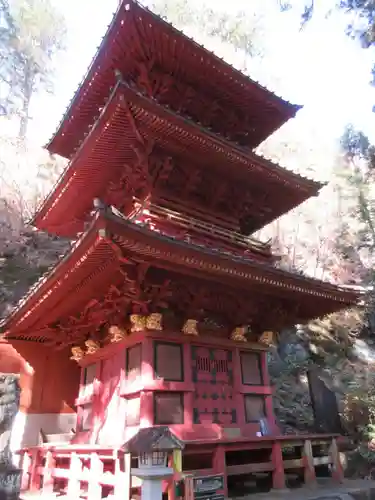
pixel 31 34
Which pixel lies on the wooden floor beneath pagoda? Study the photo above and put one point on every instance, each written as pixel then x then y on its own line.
pixel 350 490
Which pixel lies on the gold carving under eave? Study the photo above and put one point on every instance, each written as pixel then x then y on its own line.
pixel 92 346
pixel 239 334
pixel 116 334
pixel 154 322
pixel 138 322
pixel 190 327
pixel 267 338
pixel 77 353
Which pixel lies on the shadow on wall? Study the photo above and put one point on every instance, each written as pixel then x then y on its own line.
pixel 49 383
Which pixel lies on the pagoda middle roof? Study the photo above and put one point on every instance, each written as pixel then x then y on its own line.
pixel 137 35
pixel 109 148
pixel 93 265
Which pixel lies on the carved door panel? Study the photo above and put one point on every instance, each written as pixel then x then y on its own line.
pixel 214 400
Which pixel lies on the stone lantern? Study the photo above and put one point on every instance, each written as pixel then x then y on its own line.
pixel 152 446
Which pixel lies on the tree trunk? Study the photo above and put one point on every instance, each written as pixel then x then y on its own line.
pixel 26 98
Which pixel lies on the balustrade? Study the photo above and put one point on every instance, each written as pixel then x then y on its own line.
pixel 76 471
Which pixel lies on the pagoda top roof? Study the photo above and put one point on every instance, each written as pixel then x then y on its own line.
pixel 127 116
pixel 137 35
pixel 93 266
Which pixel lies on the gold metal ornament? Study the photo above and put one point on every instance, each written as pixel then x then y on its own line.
pixel 190 327
pixel 154 321
pixel 116 334
pixel 267 338
pixel 77 353
pixel 138 322
pixel 239 334
pixel 92 346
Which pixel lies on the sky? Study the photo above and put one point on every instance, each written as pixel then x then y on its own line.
pixel 318 67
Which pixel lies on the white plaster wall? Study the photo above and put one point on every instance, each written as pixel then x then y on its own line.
pixel 26 427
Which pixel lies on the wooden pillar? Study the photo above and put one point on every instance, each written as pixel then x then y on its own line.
pixel 189 487
pixel 308 463
pixel 175 462
pixel 337 469
pixel 36 462
pixel 75 471
pixel 96 471
pixel 278 475
pixel 220 466
pixel 237 373
pixel 147 363
pixel 26 464
pixel 188 396
pixel 122 477
pixel 48 479
pixel 146 409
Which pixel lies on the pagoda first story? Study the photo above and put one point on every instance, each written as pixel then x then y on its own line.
pixel 166 333
pixel 47 400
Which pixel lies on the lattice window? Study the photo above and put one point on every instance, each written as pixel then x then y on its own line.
pixel 134 362
pixel 251 368
pixel 84 417
pixel 255 408
pixel 89 374
pixel 205 364
pixel 169 361
pixel 168 408
pixel 133 408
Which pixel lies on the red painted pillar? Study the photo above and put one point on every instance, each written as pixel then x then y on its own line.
pixel 48 479
pixel 278 476
pixel 270 414
pixel 188 396
pixel 308 462
pixel 147 409
pixel 36 462
pixel 337 469
pixel 147 360
pixel 237 382
pixel 96 471
pixel 220 466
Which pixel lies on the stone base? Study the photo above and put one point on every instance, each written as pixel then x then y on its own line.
pixel 10 483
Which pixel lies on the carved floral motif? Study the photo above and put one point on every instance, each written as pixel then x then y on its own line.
pixel 77 353
pixel 154 321
pixel 190 327
pixel 239 334
pixel 92 346
pixel 116 334
pixel 267 338
pixel 138 322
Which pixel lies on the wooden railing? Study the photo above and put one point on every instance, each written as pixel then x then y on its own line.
pixel 95 472
pixel 312 451
pixel 175 224
pixel 90 472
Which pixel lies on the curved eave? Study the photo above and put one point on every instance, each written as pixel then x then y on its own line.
pixel 214 265
pixel 131 23
pixel 92 266
pixel 89 258
pixel 108 147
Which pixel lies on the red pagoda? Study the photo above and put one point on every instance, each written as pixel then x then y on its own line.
pixel 165 302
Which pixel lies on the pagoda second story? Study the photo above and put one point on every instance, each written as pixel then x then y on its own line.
pixel 170 145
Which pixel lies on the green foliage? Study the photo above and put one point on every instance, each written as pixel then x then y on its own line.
pixel 32 32
pixel 236 28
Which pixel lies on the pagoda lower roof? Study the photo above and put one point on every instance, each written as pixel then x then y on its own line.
pixel 109 149
pixel 93 266
pixel 137 36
